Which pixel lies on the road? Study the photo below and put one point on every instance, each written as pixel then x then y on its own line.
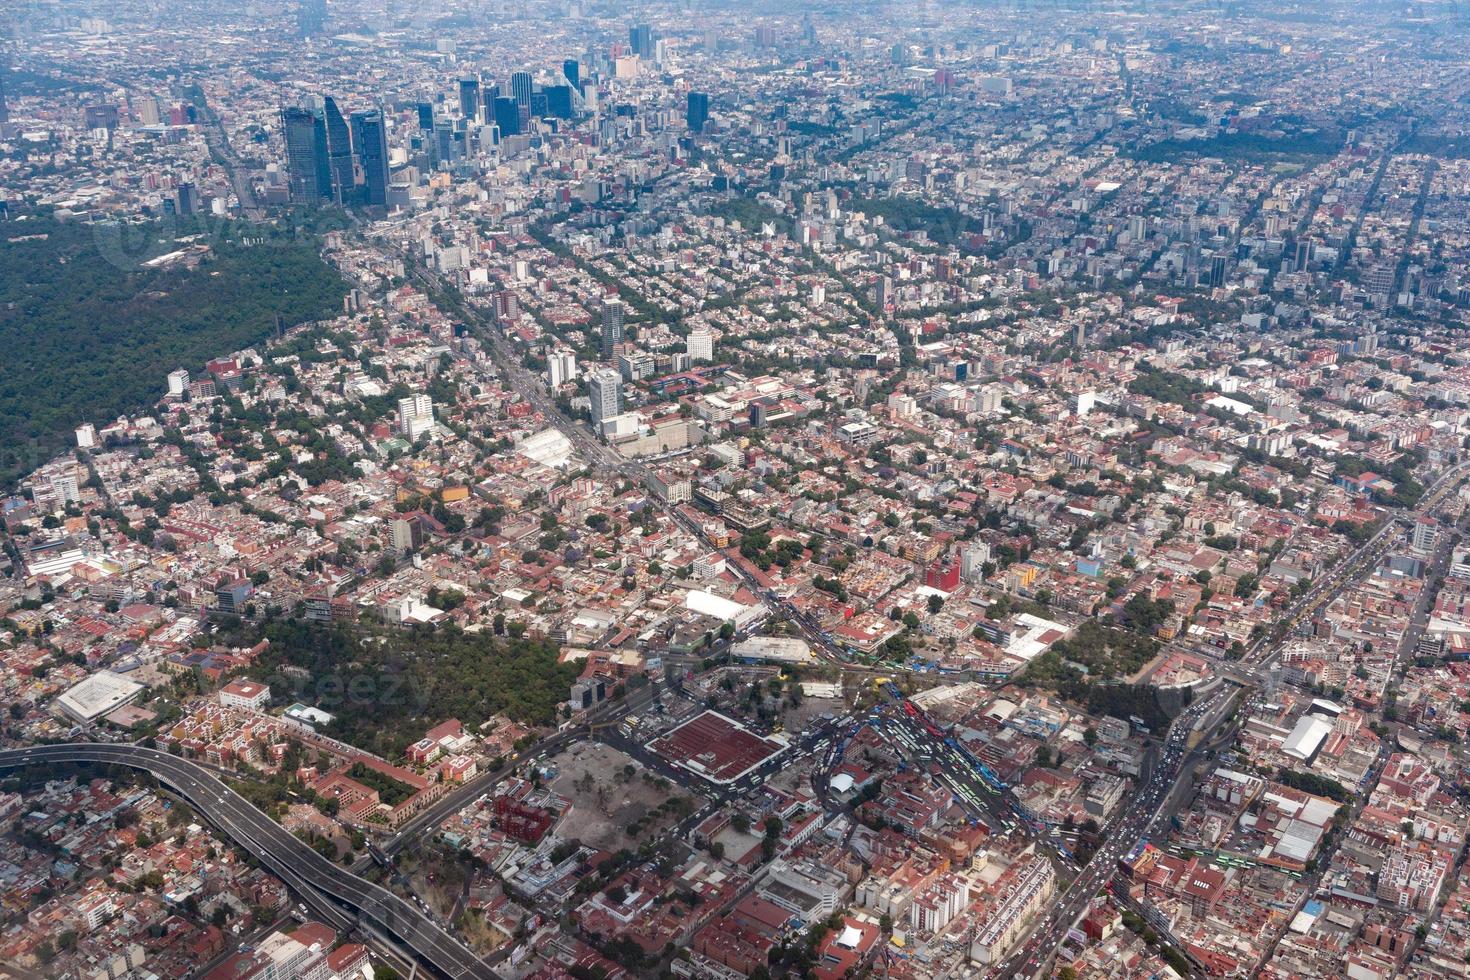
pixel 1208 716
pixel 303 869
pixel 1213 720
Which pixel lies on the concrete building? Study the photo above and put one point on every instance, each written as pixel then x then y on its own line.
pixel 415 416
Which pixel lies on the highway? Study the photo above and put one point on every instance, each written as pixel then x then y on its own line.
pixel 303 869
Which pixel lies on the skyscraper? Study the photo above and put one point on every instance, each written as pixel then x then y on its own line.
pixel 612 327
pixel 370 140
pixel 559 101
pixel 572 69
pixel 426 116
pixel 605 389
pixel 469 98
pixel 698 112
pixel 339 153
pixel 309 179
pixel 640 39
pixel 5 108
pixel 187 198
pixel 520 88
pixel 507 116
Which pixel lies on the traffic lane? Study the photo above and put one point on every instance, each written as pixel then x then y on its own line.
pixel 275 848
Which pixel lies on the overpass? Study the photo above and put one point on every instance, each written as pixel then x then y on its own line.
pixel 376 909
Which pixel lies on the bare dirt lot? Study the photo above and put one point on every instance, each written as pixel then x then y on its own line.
pixel 611 795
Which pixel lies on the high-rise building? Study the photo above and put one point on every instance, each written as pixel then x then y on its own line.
pixel 178 382
pixel 697 113
pixel 700 345
pixel 507 116
pixel 521 88
pixel 489 92
pixel 640 39
pixel 612 327
pixel 558 101
pixel 1217 270
pixel 5 106
pixel 186 199
pixel 339 153
pixel 605 389
pixel 426 116
pixel 415 416
pixel 370 141
pixel 572 70
pixel 469 98
pixel 309 179
pixel 561 367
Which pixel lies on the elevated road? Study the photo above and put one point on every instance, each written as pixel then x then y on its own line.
pixel 377 910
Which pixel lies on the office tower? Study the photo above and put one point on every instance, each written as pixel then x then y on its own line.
pixel 561 367
pixel 426 116
pixel 700 345
pixel 186 200
pixel 404 535
pixel 1303 253
pixel 488 94
pixel 415 416
pixel 370 140
pixel 5 107
pixel 520 89
pixel 178 382
pixel 559 101
pixel 698 112
pixel 640 39
pixel 540 105
pixel 101 116
pixel 339 153
pixel 572 70
pixel 507 116
pixel 443 148
pixel 469 98
pixel 1217 270
pixel 308 178
pixel 145 109
pixel 605 389
pixel 612 327
pixel 1426 534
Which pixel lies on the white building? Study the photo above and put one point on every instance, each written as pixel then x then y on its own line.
pixel 251 695
pixel 86 436
pixel 97 695
pixel 973 557
pixel 561 367
pixel 415 416
pixel 700 345
pixel 178 382
pixel 605 389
